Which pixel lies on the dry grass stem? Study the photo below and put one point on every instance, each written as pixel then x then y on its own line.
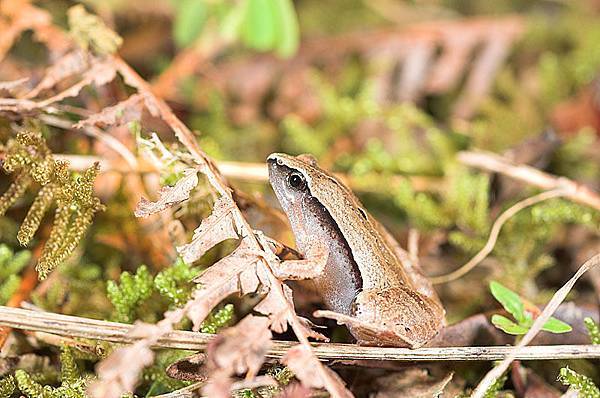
pixel 78 327
pixel 243 171
pixel 495 232
pixel 489 161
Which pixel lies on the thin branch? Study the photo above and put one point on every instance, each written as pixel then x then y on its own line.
pixel 575 191
pixel 515 351
pixel 78 327
pixel 97 133
pixel 495 232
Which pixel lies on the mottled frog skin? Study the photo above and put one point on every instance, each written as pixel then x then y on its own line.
pixel 366 275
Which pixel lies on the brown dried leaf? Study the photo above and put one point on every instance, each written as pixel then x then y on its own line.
pixel 71 64
pixel 169 196
pixel 217 227
pixel 99 73
pixel 189 369
pixel 432 58
pixel 294 390
pixel 119 372
pixel 238 272
pixel 121 113
pixel 414 382
pixel 237 350
pixel 312 373
pixel 483 73
pixel 279 312
pixel 241 349
pixel 18 16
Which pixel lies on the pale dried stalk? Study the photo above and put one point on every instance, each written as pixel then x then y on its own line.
pixel 413 245
pixel 78 327
pixel 238 170
pixel 513 353
pixel 577 192
pixel 495 232
pixel 245 171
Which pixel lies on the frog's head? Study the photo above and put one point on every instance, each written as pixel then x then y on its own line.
pixel 290 177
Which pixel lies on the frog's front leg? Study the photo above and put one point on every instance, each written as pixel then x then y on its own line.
pixel 312 266
pixel 396 316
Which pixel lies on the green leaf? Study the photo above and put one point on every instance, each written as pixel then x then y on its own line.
pixel 508 326
pixel 258 30
pixel 285 24
pixel 189 21
pixel 232 22
pixel 509 300
pixel 554 325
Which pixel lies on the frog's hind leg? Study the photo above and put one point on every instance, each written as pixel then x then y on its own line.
pixel 395 316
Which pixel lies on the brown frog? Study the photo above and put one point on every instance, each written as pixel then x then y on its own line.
pixel 364 277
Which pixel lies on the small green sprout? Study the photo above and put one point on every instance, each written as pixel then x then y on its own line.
pixel 513 303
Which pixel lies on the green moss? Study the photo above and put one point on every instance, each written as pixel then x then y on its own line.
pixel 7 386
pixel 129 293
pixel 583 384
pixel 593 330
pixel 174 282
pixel 136 295
pixel 218 319
pixel 495 388
pixel 11 264
pixel 72 384
pixel 30 159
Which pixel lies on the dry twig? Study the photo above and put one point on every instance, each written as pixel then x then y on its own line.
pixel 78 327
pixel 575 191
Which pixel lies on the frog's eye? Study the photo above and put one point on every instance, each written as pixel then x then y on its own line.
pixel 296 180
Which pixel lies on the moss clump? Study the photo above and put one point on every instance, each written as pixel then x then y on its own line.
pixel 583 384
pixel 72 384
pixel 11 265
pixel 31 161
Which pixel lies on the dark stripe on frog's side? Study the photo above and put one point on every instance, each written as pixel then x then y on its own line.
pixel 341 281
